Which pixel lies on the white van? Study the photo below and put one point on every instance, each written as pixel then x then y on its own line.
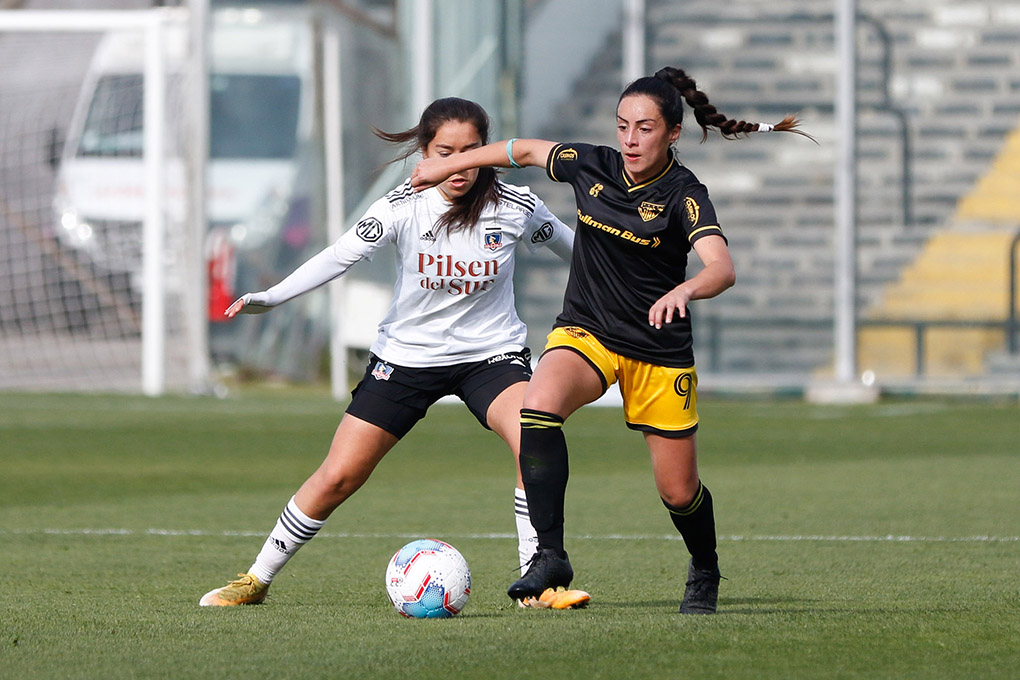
pixel 262 104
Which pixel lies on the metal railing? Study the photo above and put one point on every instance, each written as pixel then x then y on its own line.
pixel 921 327
pixel 710 330
pixel 888 105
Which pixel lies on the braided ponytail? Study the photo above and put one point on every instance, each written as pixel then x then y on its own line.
pixel 670 87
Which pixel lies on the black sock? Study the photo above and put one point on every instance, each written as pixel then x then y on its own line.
pixel 544 470
pixel 696 523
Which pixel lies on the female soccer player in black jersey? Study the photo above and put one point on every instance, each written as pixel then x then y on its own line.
pixel 625 312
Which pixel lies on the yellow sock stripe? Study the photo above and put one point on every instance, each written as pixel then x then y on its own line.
pixel 693 506
pixel 537 424
pixel 539 421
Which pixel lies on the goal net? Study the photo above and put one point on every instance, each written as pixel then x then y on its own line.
pixel 97 271
pixel 73 203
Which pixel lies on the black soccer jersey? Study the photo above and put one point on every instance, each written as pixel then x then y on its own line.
pixel 630 248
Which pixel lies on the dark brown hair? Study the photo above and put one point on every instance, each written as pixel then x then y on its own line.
pixel 671 87
pixel 467 210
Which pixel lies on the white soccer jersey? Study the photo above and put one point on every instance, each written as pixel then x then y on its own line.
pixel 453 301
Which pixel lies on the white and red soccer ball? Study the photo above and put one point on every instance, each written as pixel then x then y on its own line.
pixel 428 579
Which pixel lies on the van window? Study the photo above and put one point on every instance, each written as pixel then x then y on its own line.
pixel 113 126
pixel 251 116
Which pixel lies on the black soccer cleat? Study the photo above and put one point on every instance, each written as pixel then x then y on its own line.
pixel 702 593
pixel 547 570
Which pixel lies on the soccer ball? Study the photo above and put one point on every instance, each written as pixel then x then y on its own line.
pixel 428 579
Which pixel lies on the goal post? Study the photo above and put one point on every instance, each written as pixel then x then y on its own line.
pixel 152 24
pixel 98 256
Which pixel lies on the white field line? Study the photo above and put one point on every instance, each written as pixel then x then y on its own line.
pixel 604 537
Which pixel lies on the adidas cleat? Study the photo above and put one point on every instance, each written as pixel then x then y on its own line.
pixel 558 598
pixel 245 590
pixel 702 593
pixel 547 570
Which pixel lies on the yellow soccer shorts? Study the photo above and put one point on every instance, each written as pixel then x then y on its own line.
pixel 656 399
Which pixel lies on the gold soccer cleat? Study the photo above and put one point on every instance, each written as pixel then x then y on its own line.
pixel 245 590
pixel 559 598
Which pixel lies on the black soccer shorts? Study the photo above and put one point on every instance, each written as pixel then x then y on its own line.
pixel 395 397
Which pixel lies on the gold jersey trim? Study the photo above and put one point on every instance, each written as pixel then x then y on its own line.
pixel 558 152
pixel 634 187
pixel 701 229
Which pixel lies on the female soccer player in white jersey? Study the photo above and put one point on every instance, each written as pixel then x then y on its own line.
pixel 452 327
pixel 625 313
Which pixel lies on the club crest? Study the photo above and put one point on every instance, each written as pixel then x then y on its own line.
pixel 382 371
pixel 649 211
pixel 493 240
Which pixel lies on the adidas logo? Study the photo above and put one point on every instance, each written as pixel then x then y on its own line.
pixel 280 545
pixel 428 237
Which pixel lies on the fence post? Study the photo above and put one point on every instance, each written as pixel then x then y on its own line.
pixel 1012 325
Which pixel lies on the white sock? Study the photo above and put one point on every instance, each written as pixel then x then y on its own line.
pixel 292 530
pixel 527 537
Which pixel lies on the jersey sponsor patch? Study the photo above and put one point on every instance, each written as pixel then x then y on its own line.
pixel 522 358
pixel 514 199
pixel 382 371
pixel 625 234
pixel 405 192
pixel 567 155
pixel 543 233
pixel 369 229
pixel 649 211
pixel 693 210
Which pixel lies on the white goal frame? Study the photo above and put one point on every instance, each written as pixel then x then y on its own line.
pixel 152 23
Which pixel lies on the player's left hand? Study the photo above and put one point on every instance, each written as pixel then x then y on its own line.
pixel 672 303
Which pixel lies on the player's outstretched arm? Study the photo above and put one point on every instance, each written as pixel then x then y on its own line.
pixel 521 153
pixel 246 304
pixel 330 263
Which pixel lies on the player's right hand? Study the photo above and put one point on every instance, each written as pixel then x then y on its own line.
pixel 235 308
pixel 428 173
pixel 249 303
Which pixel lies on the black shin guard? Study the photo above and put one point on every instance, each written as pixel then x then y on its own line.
pixel 544 470
pixel 696 523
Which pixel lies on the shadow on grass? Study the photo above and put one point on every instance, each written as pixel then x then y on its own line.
pixel 636 604
pixel 756 606
pixel 773 605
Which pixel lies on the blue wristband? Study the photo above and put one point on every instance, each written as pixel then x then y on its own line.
pixel 510 153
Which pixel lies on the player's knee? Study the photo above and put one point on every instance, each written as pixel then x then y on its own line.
pixel 334 488
pixel 681 497
pixel 538 400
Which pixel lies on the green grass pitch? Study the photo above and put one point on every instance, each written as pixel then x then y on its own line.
pixel 875 541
